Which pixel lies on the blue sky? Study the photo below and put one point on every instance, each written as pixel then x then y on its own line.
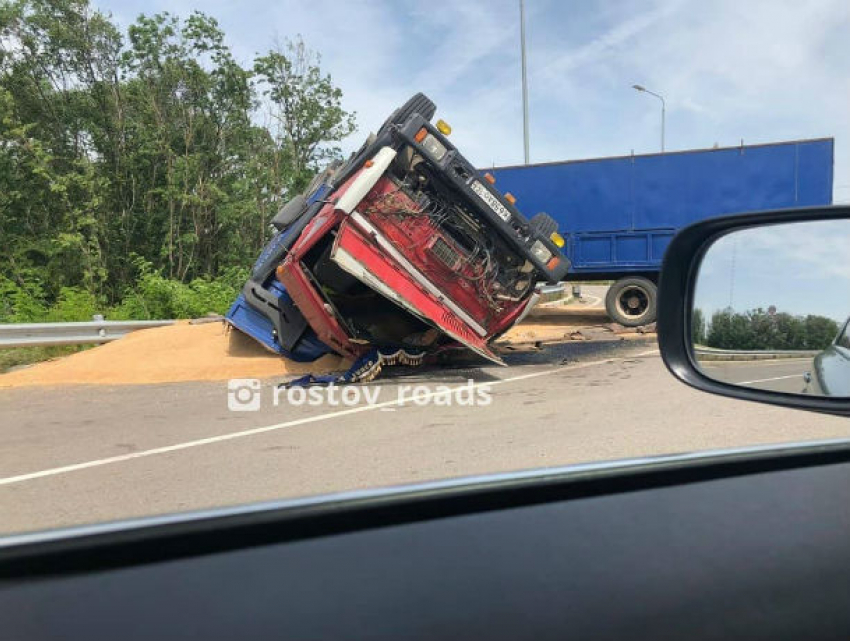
pixel 760 70
pixel 801 268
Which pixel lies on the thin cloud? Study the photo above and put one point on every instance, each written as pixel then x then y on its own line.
pixel 761 70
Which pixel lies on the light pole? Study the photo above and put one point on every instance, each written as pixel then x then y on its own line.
pixel 524 79
pixel 663 108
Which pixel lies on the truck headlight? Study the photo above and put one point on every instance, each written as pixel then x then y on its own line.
pixel 540 251
pixel 434 147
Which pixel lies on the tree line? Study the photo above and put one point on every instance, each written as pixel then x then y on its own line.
pixel 758 329
pixel 147 157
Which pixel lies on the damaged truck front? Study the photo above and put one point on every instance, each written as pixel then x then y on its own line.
pixel 405 248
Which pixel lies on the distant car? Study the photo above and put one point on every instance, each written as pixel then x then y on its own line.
pixel 830 375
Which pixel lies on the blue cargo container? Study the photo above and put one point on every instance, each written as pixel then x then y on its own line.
pixel 618 215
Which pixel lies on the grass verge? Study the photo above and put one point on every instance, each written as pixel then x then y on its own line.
pixel 18 356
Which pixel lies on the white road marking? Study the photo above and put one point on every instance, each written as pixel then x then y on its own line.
pixel 9 480
pixel 766 361
pixel 765 380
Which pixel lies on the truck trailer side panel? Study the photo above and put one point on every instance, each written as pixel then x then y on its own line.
pixel 619 214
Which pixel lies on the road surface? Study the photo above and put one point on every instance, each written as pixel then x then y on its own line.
pixel 85 454
pixel 778 375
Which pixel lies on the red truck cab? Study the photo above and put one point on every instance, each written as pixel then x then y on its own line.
pixel 407 246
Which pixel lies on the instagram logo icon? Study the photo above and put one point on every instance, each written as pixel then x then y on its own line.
pixel 243 394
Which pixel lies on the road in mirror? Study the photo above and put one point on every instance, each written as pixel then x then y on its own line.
pixel 772 309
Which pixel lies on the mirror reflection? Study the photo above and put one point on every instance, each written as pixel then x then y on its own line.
pixel 772 309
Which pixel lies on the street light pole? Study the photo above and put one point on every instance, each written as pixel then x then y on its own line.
pixel 663 108
pixel 524 79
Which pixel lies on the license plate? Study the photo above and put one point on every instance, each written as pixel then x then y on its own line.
pixel 485 195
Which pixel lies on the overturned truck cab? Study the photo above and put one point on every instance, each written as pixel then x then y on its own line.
pixel 404 246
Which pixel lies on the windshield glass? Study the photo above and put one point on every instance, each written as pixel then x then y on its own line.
pixel 262 251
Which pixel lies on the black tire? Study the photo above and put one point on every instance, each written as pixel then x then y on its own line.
pixel 632 301
pixel 420 103
pixel 543 224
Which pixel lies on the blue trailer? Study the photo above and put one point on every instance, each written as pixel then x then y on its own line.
pixel 617 215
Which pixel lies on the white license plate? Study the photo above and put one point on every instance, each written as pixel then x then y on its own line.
pixel 490 199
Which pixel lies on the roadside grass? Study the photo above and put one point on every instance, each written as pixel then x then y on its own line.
pixel 14 357
pixel 152 296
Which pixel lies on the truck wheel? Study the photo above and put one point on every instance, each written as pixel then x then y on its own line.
pixel 543 224
pixel 420 103
pixel 632 301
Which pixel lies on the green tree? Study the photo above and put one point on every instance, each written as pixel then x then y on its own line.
pixel 759 330
pixel 189 103
pixel 154 143
pixel 54 57
pixel 698 329
pixel 818 332
pixel 304 107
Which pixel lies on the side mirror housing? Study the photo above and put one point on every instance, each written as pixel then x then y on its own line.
pixel 756 306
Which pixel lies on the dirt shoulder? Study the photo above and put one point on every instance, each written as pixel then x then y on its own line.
pixel 176 353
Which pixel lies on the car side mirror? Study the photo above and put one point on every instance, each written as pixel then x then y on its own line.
pixel 755 306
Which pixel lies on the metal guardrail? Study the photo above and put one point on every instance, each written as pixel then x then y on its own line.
pixel 44 334
pixel 712 354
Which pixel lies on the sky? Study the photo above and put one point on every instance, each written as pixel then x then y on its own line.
pixel 800 268
pixel 730 70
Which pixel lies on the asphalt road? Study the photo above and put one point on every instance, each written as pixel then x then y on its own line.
pixel 778 375
pixel 78 455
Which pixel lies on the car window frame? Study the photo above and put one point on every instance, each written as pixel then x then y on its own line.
pixel 843 335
